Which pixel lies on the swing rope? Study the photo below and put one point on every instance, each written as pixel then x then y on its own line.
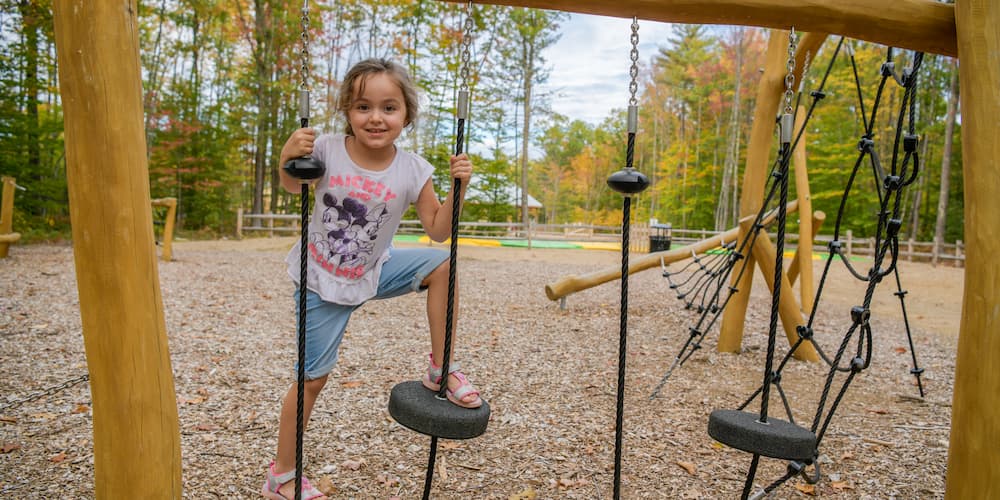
pixel 628 182
pixel 303 255
pixel 462 114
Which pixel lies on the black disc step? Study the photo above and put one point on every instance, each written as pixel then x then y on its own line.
pixel 418 408
pixel 776 438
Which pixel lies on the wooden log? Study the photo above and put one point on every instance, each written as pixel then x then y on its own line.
pixel 7 236
pixel 973 458
pixel 803 266
pixel 788 307
pixel 574 283
pixel 802 260
pixel 924 25
pixel 136 432
pixel 168 226
pixel 769 94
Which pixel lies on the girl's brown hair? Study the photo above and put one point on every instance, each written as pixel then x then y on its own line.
pixel 360 73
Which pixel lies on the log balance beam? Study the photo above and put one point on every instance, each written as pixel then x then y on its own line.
pixel 787 307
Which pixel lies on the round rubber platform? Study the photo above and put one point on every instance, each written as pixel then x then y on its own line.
pixel 418 408
pixel 776 439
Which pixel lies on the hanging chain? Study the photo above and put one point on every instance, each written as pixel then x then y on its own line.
pixel 35 396
pixel 304 70
pixel 790 75
pixel 466 48
pixel 805 70
pixel 633 71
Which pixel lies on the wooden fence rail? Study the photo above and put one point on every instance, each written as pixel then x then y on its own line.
pixel 639 240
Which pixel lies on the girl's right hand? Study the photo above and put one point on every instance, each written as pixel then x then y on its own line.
pixel 300 143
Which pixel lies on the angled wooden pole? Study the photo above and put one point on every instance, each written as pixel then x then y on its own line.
pixel 973 459
pixel 136 434
pixel 769 93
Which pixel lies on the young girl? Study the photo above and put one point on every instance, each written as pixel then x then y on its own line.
pixel 368 185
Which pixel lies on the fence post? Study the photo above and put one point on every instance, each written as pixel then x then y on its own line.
pixel 270 227
pixel 959 254
pixel 239 223
pixel 850 241
pixel 935 250
pixel 909 248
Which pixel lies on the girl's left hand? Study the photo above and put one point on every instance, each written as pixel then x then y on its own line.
pixel 461 168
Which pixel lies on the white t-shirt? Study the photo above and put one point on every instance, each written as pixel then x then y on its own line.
pixel 355 215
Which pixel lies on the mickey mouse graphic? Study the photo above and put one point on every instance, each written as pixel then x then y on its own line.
pixel 351 229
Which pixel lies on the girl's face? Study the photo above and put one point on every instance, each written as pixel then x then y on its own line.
pixel 377 115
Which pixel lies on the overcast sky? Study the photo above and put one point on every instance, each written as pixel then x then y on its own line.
pixel 590 64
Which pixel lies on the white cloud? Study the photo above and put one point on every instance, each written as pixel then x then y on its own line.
pixel 590 64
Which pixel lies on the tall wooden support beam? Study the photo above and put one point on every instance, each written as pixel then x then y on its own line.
pixel 973 460
pixel 924 25
pixel 759 160
pixel 803 265
pixel 136 434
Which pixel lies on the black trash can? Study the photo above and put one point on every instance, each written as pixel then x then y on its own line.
pixel 659 238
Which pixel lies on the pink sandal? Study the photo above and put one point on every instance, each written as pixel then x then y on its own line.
pixel 432 381
pixel 276 481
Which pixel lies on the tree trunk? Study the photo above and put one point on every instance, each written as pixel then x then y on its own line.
pixel 727 192
pixel 527 61
pixel 949 131
pixel 29 19
pixel 263 37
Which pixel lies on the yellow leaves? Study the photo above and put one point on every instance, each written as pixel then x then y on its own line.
pixel 689 467
pixel 807 489
pixel 526 494
pixel 9 447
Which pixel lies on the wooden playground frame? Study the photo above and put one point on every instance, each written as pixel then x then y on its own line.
pixel 136 430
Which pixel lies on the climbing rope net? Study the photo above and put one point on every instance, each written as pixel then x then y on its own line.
pixel 702 283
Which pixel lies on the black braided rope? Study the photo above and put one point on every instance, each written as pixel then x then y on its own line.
pixel 450 312
pixel 622 341
pixel 301 341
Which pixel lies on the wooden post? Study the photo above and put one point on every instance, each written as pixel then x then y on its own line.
pixel 7 234
pixel 168 226
pixel 803 260
pixel 803 265
pixel 973 459
pixel 239 223
pixel 136 433
pixel 788 309
pixel 769 93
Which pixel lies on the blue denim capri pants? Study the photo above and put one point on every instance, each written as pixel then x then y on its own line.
pixel 327 321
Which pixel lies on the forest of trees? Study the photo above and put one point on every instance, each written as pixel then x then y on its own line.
pixel 220 80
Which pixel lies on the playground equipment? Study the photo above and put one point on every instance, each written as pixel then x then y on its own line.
pixel 7 234
pixel 167 243
pixel 410 403
pixel 136 436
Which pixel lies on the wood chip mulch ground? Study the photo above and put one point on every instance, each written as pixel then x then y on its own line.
pixel 549 375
